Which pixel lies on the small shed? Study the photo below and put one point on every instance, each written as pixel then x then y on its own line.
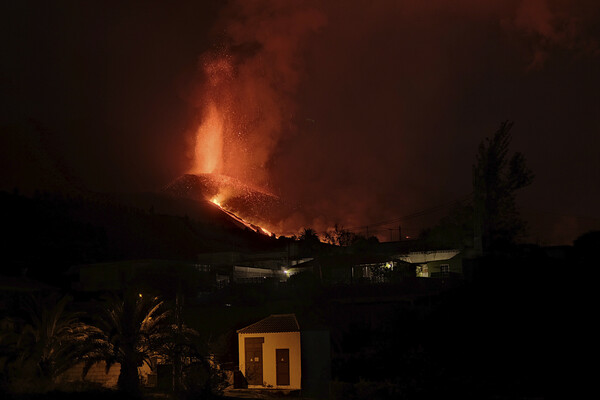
pixel 269 352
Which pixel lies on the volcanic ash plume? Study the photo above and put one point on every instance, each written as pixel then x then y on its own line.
pixel 245 99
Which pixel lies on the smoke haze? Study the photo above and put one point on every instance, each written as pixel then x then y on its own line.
pixel 350 111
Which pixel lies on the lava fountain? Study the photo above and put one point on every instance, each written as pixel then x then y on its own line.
pixel 233 141
pixel 245 100
pixel 209 142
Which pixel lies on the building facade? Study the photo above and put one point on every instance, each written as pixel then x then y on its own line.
pixel 270 353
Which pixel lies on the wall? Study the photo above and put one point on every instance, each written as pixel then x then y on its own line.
pixel 282 340
pixel 97 374
pixel 454 264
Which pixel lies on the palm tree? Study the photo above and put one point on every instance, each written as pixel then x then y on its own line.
pixel 309 235
pixel 8 349
pixel 51 340
pixel 130 331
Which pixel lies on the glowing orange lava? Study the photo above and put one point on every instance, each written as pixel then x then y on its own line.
pixel 209 143
pixel 241 121
pixel 254 227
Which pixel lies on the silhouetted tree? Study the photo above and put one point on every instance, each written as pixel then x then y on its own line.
pixel 339 236
pixel 454 230
pixel 51 340
pixel 309 235
pixel 496 178
pixel 309 242
pixel 131 330
pixel 362 243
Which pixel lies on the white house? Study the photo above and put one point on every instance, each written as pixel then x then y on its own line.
pixel 434 262
pixel 269 352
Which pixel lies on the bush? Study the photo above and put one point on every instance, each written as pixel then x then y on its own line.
pixel 203 380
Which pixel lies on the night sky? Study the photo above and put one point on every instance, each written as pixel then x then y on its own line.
pixel 354 112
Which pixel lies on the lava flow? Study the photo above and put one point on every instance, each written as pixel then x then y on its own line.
pixel 251 207
pixel 242 115
pixel 247 224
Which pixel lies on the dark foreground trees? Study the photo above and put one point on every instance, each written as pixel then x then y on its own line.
pixel 43 343
pixel 133 328
pixel 130 330
pixel 496 178
pixel 491 221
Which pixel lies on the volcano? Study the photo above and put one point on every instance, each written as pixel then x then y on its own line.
pixel 253 205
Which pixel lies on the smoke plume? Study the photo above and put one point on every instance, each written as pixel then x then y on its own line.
pixel 351 112
pixel 250 80
pixel 359 112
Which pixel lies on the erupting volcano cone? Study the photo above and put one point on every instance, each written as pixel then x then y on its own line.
pixel 253 204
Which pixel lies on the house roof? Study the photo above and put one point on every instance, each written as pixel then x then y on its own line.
pixel 273 323
pixel 420 257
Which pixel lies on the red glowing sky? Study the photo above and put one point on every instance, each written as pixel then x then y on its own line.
pixel 354 112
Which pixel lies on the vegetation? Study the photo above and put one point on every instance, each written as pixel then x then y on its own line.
pixel 491 221
pixel 454 230
pixel 339 236
pixel 427 340
pixel 496 178
pixel 130 331
pixel 46 342
pixel 472 341
pixel 309 235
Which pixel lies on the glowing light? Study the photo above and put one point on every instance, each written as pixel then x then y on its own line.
pixel 209 142
pixel 259 229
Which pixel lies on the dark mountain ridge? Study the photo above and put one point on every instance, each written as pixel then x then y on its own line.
pixel 48 233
